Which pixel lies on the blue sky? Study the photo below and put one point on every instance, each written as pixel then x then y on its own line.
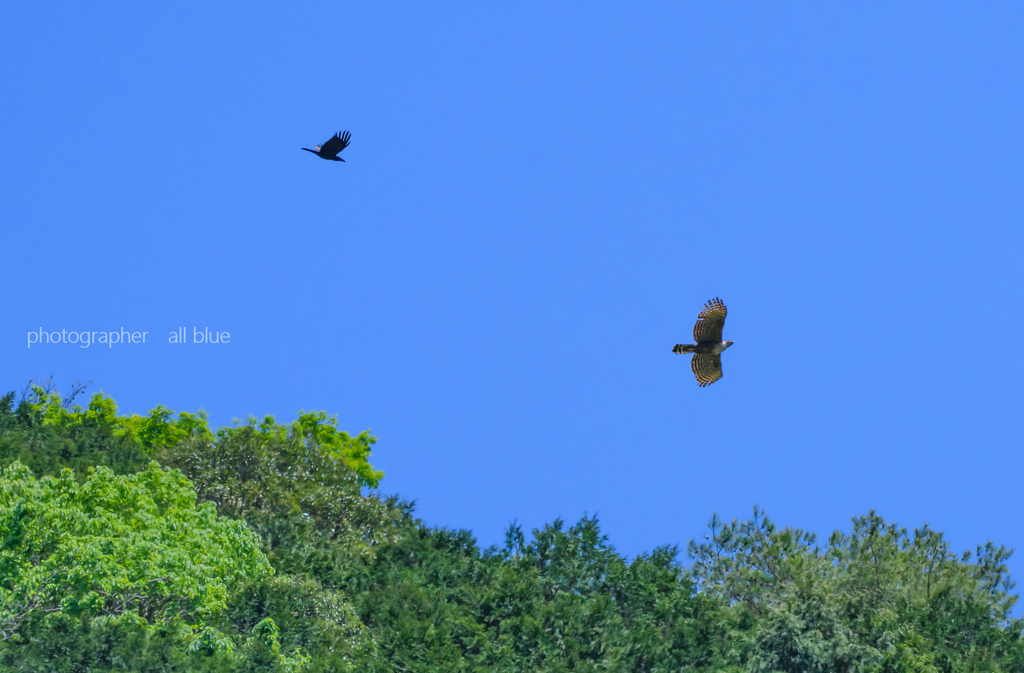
pixel 537 201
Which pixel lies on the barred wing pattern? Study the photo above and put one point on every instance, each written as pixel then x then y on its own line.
pixel 710 323
pixel 707 368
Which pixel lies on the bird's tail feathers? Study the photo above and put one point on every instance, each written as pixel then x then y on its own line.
pixel 684 348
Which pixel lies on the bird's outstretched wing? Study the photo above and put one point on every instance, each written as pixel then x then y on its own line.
pixel 336 144
pixel 707 368
pixel 710 322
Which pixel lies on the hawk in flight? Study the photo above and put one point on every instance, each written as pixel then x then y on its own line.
pixel 707 352
pixel 329 150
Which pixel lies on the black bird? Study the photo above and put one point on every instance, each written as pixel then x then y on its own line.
pixel 329 150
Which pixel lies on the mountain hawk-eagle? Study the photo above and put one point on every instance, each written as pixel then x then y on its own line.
pixel 707 352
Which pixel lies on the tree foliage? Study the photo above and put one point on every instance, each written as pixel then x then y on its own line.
pixel 114 545
pixel 123 564
pixel 879 598
pixel 97 434
pixel 231 621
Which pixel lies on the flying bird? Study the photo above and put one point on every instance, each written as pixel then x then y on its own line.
pixel 329 150
pixel 707 352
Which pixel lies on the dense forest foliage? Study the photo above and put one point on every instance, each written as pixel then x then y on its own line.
pixel 155 543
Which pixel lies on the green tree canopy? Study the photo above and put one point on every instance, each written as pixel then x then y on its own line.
pixel 878 598
pixel 113 545
pixel 44 410
pixel 361 584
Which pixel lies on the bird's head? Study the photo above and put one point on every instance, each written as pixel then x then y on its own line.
pixel 729 343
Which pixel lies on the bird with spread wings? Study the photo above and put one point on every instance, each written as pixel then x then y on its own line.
pixel 707 352
pixel 330 149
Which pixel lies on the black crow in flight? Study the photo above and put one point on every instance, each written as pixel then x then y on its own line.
pixel 329 150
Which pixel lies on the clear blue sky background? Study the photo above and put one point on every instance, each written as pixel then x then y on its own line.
pixel 537 201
